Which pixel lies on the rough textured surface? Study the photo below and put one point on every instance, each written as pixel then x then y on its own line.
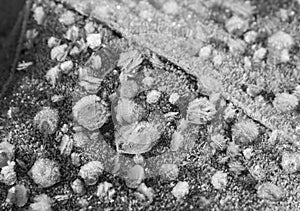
pixel 248 166
pixel 172 36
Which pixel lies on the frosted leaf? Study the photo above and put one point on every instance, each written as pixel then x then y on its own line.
pixel 137 138
pixel 59 52
pixel 41 203
pixel 17 195
pixel 91 171
pixel 245 132
pixel 270 191
pixel 130 61
pixel 67 18
pixel 46 120
pixel 135 176
pixel 219 180
pixel 90 113
pixel 127 111
pixel 52 75
pixel 7 152
pixel 200 111
pixel 45 172
pixel 39 15
pixel 285 102
pixel 94 40
pixel 180 190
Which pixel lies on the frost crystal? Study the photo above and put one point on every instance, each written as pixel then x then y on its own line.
pixel 46 120
pixel 245 132
pixel 91 171
pixel 17 195
pixel 59 52
pixel 90 113
pixel 130 61
pixel 53 42
pixel 280 40
pixel 41 203
pixel 285 102
pixel 39 15
pixel 290 162
pixel 7 153
pixel 52 75
pixel 94 40
pixel 209 85
pixel 127 111
pixel 129 89
pixel 236 25
pixel 135 176
pixel 67 18
pixel 181 189
pixel 72 34
pixel 45 172
pixel 200 111
pixel 137 138
pixel 103 189
pixel 153 96
pixel 78 187
pixel 169 171
pixel 270 191
pixel 219 180
pixel 171 7
pixel 8 175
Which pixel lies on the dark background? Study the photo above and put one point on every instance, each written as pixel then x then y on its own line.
pixel 9 12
